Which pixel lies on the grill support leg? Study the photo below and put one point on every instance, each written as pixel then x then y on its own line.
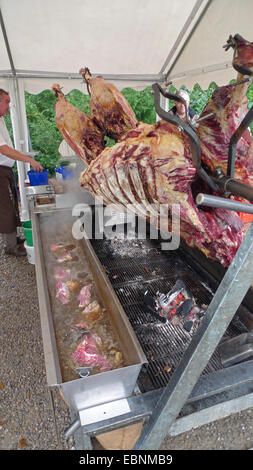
pixel 220 312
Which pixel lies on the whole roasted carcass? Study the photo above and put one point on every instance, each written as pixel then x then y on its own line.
pixel 111 116
pixel 151 166
pixel 108 106
pixel 81 131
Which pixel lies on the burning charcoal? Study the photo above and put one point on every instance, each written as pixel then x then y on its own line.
pixel 185 308
pixel 84 296
pixel 149 301
pixel 188 325
pixel 152 308
pixel 62 292
pixel 201 313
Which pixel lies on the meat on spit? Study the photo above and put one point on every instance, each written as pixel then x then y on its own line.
pixel 151 165
pixel 225 111
pixel 155 168
pixel 108 106
pixel 81 132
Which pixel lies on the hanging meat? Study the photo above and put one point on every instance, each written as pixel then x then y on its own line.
pixel 81 132
pixel 152 165
pixel 108 106
pixel 155 168
pixel 228 107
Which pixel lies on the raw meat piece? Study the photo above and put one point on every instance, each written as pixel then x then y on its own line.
pixel 85 295
pixel 87 353
pixel 65 257
pixel 73 285
pixel 54 247
pixel 61 274
pixel 108 106
pixel 62 292
pixel 93 307
pixel 79 130
pixel 92 313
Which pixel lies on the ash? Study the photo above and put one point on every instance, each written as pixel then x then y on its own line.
pixel 126 246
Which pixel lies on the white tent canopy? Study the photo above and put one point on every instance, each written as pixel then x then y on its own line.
pixel 132 43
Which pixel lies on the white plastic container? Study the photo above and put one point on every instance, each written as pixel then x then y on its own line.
pixel 30 253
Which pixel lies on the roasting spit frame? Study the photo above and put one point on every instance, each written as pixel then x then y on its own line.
pixel 204 398
pixel 227 390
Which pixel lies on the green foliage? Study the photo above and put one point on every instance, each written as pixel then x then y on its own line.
pixel 45 137
pixel 142 102
pixel 250 103
pixel 78 99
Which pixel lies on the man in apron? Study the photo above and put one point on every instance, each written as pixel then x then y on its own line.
pixel 9 213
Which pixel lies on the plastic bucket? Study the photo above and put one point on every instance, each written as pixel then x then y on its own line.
pixel 30 253
pixel 63 173
pixel 28 233
pixel 38 178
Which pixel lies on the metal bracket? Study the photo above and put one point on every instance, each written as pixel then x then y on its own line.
pixel 186 127
pixel 237 349
pixel 234 140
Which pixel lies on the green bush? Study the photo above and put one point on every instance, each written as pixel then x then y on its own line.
pixel 45 137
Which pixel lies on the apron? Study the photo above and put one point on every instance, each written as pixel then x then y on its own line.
pixel 9 212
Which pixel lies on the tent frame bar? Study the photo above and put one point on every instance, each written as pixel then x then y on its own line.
pixel 7 45
pixel 188 37
pixel 184 29
pixel 76 76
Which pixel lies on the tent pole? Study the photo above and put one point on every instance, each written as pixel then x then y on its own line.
pixel 16 122
pixel 19 143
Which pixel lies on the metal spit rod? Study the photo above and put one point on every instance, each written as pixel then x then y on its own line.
pixel 223 203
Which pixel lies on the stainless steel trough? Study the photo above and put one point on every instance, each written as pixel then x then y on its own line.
pixel 104 387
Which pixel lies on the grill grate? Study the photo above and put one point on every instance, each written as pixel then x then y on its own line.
pixel 133 264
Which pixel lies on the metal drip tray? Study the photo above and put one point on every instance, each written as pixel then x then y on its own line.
pixel 133 264
pixel 57 320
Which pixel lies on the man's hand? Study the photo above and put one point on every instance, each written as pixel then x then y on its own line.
pixel 36 165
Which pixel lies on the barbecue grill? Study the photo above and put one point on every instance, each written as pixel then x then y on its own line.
pixel 165 363
pixel 173 378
